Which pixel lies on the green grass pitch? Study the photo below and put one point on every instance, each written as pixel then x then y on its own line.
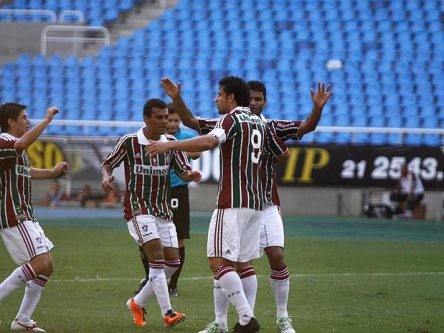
pixel 347 275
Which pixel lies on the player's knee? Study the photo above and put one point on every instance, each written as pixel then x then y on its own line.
pixel 275 257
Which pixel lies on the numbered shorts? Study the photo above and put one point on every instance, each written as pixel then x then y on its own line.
pixel 25 241
pixel 272 228
pixel 234 234
pixel 180 205
pixel 144 228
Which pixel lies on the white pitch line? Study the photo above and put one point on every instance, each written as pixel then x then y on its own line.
pixel 308 275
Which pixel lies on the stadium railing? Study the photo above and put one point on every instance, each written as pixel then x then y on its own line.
pixel 76 38
pixel 49 14
pixel 89 128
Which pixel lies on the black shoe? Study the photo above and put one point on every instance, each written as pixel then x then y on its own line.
pixel 172 291
pixel 252 327
pixel 141 285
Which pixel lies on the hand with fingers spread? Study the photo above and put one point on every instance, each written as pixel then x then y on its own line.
pixel 170 88
pixel 322 95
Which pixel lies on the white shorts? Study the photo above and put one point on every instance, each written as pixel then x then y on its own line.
pixel 144 228
pixel 25 241
pixel 234 234
pixel 272 228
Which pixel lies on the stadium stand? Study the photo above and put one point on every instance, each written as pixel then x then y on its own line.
pixel 392 56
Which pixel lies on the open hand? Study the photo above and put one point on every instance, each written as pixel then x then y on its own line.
pixel 170 88
pixel 322 95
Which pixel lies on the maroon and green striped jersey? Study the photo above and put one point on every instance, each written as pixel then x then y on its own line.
pixel 284 130
pixel 147 178
pixel 243 138
pixel 15 184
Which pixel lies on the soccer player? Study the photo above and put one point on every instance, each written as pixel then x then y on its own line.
pixel 22 234
pixel 272 232
pixel 146 205
pixel 180 203
pixel 234 230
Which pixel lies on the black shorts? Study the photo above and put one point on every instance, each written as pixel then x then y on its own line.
pixel 180 205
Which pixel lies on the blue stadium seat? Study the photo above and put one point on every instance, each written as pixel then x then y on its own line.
pixel 391 53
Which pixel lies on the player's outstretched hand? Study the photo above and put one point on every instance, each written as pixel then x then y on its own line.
pixel 61 169
pixel 170 88
pixel 156 147
pixel 191 176
pixel 51 112
pixel 322 95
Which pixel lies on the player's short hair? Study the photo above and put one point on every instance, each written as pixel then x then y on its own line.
pixel 171 108
pixel 153 103
pixel 257 86
pixel 238 87
pixel 9 111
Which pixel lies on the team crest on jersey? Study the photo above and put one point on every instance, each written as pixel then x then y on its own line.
pixel 151 170
pixel 23 171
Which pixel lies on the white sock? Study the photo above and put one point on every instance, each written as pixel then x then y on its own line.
pixel 232 289
pixel 280 284
pixel 220 304
pixel 33 292
pixel 249 284
pixel 158 283
pixel 147 291
pixel 16 279
pixel 171 266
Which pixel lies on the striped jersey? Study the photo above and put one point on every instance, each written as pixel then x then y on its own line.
pixel 147 179
pixel 284 130
pixel 243 138
pixel 15 184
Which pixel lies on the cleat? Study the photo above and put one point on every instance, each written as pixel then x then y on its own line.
pixel 172 291
pixel 141 285
pixel 29 325
pixel 252 327
pixel 214 327
pixel 285 325
pixel 172 318
pixel 137 311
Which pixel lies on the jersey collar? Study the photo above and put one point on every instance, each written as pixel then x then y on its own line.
pixel 144 141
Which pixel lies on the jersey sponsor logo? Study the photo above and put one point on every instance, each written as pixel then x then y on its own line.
pixel 152 170
pixel 22 170
pixel 247 118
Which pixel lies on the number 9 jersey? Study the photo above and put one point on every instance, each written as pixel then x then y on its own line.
pixel 244 138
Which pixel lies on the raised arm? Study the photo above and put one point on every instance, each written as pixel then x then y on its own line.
pixel 319 98
pixel 173 91
pixel 30 136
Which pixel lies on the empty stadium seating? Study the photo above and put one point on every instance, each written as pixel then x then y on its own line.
pixel 392 54
pixel 97 13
